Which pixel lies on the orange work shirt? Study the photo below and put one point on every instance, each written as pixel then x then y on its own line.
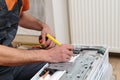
pixel 10 4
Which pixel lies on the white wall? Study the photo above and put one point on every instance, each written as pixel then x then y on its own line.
pixel 57 16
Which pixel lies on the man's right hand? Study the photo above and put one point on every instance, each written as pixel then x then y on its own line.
pixel 61 53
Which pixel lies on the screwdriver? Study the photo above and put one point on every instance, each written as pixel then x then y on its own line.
pixel 50 37
pixel 53 39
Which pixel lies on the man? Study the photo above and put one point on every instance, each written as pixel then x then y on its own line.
pixel 16 64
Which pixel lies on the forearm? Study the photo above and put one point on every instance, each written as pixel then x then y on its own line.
pixel 29 22
pixel 11 56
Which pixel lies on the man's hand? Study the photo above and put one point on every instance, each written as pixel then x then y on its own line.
pixel 29 22
pixel 46 30
pixel 61 53
pixel 13 57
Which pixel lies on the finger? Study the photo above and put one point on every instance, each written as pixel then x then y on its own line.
pixel 70 47
pixel 70 53
pixel 68 56
pixel 43 38
pixel 67 59
pixel 52 44
pixel 48 42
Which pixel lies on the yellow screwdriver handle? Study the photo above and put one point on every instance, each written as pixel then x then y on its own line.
pixel 53 39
